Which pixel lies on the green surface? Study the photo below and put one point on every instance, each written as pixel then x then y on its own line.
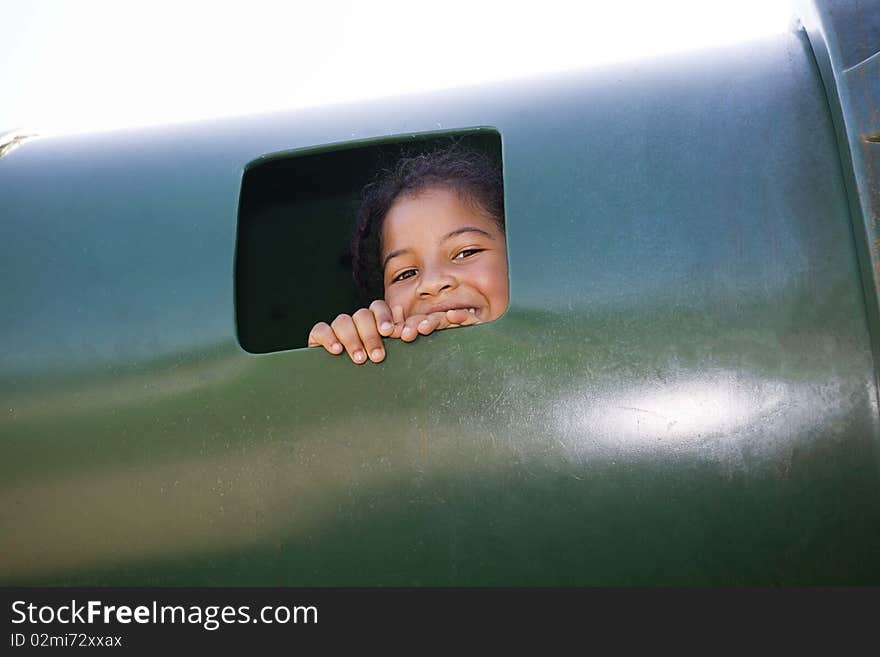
pixel 683 390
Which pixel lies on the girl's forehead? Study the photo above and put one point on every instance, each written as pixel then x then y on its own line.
pixel 432 213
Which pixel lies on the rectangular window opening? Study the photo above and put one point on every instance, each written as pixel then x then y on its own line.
pixel 293 263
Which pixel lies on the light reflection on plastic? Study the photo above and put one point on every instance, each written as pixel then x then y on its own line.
pixel 712 412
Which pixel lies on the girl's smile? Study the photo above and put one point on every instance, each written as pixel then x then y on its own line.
pixel 440 252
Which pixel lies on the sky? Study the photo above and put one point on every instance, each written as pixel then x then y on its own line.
pixel 87 65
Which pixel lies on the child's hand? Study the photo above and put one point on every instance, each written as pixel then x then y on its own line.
pixel 361 333
pixel 414 325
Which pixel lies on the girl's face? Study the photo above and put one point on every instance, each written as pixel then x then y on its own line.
pixel 441 252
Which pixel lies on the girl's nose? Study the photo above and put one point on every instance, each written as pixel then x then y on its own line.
pixel 436 281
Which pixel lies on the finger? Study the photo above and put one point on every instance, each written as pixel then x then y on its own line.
pixel 398 319
pixel 365 321
pixel 446 319
pixel 410 328
pixel 345 330
pixel 322 335
pixel 384 317
pixel 432 322
pixel 461 317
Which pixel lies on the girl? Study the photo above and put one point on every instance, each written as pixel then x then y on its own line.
pixel 430 248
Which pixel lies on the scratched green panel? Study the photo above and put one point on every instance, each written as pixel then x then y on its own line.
pixel 682 391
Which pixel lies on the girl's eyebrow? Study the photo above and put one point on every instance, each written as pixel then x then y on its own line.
pixel 457 231
pixel 467 229
pixel 393 254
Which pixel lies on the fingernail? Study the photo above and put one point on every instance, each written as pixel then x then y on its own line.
pixel 336 347
pixel 408 330
pixel 376 354
pixel 358 355
pixel 424 322
pixel 386 326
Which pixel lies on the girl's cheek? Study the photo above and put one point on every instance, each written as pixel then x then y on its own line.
pixel 393 298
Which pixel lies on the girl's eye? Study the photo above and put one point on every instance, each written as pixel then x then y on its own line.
pixel 466 253
pixel 409 273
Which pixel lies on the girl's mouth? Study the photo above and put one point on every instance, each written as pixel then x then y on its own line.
pixel 447 307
